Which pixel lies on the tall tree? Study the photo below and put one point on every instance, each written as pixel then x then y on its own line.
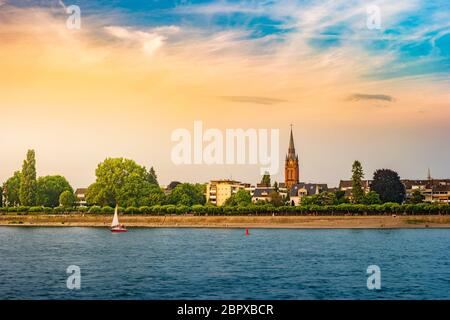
pixel 152 177
pixel 119 181
pixel 388 185
pixel 28 183
pixel 357 187
pixel 49 188
pixel 266 179
pixel 11 190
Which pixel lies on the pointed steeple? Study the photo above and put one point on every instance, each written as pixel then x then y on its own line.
pixel 291 170
pixel 291 150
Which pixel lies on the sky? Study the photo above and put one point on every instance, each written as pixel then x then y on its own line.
pixel 135 71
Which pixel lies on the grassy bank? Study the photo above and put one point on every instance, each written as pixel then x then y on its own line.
pixel 86 220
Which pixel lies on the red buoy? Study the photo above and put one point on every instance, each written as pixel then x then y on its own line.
pixel 246 232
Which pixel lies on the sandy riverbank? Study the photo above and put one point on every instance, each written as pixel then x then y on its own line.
pixel 79 220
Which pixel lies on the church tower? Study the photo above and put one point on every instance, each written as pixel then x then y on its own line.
pixel 291 172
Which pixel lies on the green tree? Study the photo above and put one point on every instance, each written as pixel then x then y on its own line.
pixel 416 197
pixel 240 198
pixel 321 199
pixel 120 181
pixel 156 196
pixel 340 197
pixel 388 185
pixel 152 177
pixel 371 198
pixel 187 194
pixel 28 183
pixel 357 187
pixel 11 190
pixel 67 198
pixel 49 188
pixel 275 199
pixel 266 179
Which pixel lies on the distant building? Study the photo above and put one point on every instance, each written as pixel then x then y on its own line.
pixel 170 187
pixel 80 195
pixel 218 191
pixel 282 189
pixel 433 190
pixel 291 168
pixel 301 190
pixel 262 194
pixel 347 186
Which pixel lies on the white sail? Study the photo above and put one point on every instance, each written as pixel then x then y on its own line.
pixel 115 221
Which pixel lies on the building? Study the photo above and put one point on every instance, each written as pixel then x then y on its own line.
pixel 433 190
pixel 80 195
pixel 300 190
pixel 291 169
pixel 218 191
pixel 262 194
pixel 347 186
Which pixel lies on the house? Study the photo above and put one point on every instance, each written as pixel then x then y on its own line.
pixel 300 190
pixel 433 190
pixel 80 195
pixel 262 194
pixel 218 191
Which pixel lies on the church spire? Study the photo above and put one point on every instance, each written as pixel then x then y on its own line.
pixel 291 150
pixel 291 170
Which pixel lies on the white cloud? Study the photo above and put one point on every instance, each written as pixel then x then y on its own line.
pixel 150 41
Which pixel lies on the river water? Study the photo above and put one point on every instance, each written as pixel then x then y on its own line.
pixel 224 263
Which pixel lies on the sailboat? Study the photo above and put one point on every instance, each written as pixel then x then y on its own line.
pixel 115 225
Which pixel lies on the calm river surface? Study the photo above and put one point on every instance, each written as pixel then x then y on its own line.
pixel 224 263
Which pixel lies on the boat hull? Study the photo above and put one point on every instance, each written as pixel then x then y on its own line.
pixel 118 230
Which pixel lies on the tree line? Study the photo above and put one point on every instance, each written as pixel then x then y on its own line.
pixel 119 181
pixel 135 189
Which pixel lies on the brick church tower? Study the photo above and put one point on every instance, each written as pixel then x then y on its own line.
pixel 291 172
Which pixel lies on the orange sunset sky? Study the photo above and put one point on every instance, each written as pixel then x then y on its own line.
pixel 132 74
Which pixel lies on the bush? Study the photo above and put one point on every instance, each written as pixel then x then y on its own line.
pixel 82 209
pixel 183 209
pixel 59 209
pixel 95 209
pixel 107 210
pixel 131 210
pixel 145 210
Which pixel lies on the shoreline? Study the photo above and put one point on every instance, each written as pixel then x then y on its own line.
pixel 187 221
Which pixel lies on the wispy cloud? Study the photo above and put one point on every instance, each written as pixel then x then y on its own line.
pixel 150 42
pixel 364 96
pixel 252 99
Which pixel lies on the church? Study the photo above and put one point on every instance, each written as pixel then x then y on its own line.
pixel 295 188
pixel 291 171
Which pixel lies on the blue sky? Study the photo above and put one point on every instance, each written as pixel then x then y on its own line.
pixel 315 64
pixel 416 33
